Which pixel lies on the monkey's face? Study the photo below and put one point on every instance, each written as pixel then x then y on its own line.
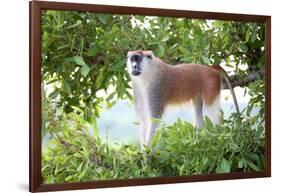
pixel 138 62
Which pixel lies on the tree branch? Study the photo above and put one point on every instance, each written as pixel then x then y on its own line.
pixel 236 80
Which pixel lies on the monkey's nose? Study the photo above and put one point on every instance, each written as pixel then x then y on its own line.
pixel 136 58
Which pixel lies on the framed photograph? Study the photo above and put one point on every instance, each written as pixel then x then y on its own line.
pixel 123 96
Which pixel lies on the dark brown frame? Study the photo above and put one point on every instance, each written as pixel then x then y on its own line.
pixel 35 7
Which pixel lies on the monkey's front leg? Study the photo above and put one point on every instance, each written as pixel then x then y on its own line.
pixel 156 108
pixel 143 126
pixel 141 113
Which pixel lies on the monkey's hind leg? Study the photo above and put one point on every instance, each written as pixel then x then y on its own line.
pixel 198 112
pixel 213 111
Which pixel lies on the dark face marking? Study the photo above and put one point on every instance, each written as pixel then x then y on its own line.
pixel 149 56
pixel 136 58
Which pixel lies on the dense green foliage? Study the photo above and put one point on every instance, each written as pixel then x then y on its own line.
pixel 178 149
pixel 85 53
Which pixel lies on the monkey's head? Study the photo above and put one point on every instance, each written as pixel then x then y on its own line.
pixel 139 62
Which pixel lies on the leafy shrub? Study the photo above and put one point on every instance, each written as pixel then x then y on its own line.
pixel 74 155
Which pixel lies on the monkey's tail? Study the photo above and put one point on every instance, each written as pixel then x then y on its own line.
pixel 227 80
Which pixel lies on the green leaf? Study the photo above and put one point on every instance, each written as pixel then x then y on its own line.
pixel 100 79
pixel 206 60
pixel 102 18
pixel 92 51
pixel 254 33
pixel 78 22
pixel 79 60
pixel 79 167
pixel 244 48
pixel 68 178
pixel 224 166
pixel 248 34
pixel 85 70
pixel 44 130
pixel 78 109
pixel 54 94
pixel 66 87
pixel 240 164
pixel 208 123
pixel 160 51
pixel 95 128
pixel 252 166
pixel 184 50
pixel 155 138
pixel 165 38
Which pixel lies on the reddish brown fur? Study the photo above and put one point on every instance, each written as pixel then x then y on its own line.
pixel 190 81
pixel 141 52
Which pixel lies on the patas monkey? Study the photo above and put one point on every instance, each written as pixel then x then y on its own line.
pixel 157 85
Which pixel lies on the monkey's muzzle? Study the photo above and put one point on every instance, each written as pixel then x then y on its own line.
pixel 136 67
pixel 136 73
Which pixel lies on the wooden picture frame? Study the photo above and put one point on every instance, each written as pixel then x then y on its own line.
pixel 35 8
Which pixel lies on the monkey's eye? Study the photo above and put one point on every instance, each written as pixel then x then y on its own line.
pixel 149 56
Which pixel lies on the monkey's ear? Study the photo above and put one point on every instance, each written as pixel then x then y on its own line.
pixel 129 53
pixel 149 53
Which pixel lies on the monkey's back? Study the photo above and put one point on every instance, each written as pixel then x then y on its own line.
pixel 190 81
